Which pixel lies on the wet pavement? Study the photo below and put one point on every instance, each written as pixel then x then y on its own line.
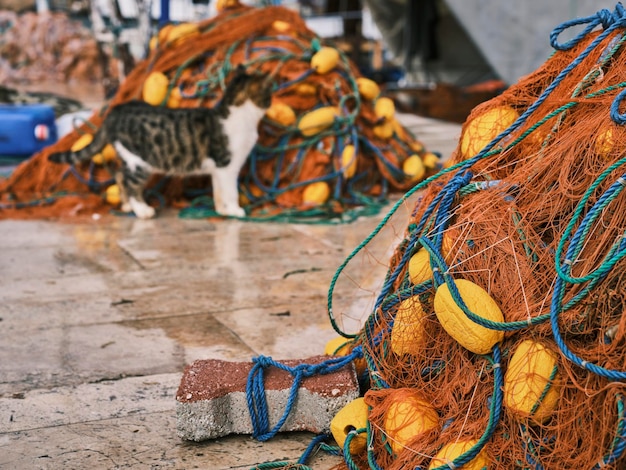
pixel 98 319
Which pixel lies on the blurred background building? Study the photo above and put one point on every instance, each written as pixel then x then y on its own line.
pixel 439 57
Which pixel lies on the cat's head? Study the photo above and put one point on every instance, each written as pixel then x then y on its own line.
pixel 254 86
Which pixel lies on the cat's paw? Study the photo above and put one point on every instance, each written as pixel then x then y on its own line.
pixel 144 212
pixel 232 211
pixel 141 209
pixel 126 207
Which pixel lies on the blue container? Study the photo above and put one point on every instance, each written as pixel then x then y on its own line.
pixel 26 129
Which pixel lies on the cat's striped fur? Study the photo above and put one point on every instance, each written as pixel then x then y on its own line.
pixel 152 139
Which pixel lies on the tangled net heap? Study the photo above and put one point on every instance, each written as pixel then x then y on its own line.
pixel 533 212
pixel 46 47
pixel 196 67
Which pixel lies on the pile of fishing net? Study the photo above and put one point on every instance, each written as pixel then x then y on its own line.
pixel 330 146
pixel 499 337
pixel 46 47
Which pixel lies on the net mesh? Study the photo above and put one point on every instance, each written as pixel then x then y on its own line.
pixel 532 211
pixel 284 163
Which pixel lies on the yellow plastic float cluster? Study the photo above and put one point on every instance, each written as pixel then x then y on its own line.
pixel 531 388
pixel 159 90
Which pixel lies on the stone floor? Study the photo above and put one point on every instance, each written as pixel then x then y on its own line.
pixel 98 319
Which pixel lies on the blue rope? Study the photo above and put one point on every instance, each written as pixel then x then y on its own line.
pixel 444 200
pixel 608 20
pixel 616 116
pixel 555 310
pixel 616 253
pixel 311 447
pixel 484 153
pixel 299 78
pixel 255 389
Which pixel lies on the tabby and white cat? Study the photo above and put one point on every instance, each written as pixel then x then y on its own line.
pixel 155 139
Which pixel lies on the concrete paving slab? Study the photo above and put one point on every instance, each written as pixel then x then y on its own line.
pixel 74 355
pixel 115 307
pixel 144 441
pixel 106 399
pixel 200 336
pixel 287 331
pixel 40 313
pixel 51 289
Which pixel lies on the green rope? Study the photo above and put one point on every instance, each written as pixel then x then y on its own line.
pixel 202 208
pixel 347 456
pixel 613 255
pixel 495 325
pixel 283 465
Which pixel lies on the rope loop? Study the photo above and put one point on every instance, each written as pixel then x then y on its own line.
pixel 604 18
pixel 255 389
pixel 616 116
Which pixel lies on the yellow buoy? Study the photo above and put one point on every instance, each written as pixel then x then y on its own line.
pixel 341 346
pixel 384 131
pixel 336 346
pixel 305 89
pixel 82 142
pixel 605 141
pixel 419 264
pixel 407 334
pixel 179 33
pixel 399 130
pixel 416 146
pixel 527 378
pixel 226 4
pixel 175 98
pixel 408 416
pixel 163 32
pixel 316 193
pixel 317 120
pixel 348 161
pixel 112 195
pixel 351 417
pixel 368 89
pixel 281 26
pixel 414 168
pixel 154 40
pixel 385 108
pixel 98 159
pixel 472 336
pixel 419 267
pixel 109 153
pixel 484 128
pixel 325 60
pixel 281 114
pixel 155 88
pixel 430 160
pixel 451 451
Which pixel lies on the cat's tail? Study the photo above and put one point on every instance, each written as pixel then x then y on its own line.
pixel 84 154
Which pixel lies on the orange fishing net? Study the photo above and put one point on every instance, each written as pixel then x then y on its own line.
pixel 197 61
pixel 503 307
